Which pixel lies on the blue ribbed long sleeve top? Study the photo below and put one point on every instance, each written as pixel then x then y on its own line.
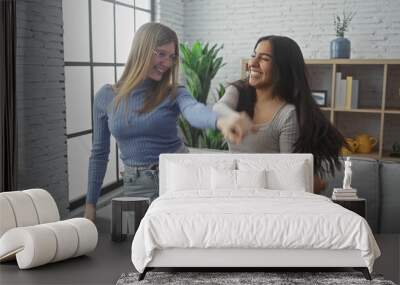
pixel 141 138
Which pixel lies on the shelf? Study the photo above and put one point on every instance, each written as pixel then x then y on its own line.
pixel 352 61
pixel 377 111
pixel 376 107
pixel 386 156
pixel 373 155
pixel 392 111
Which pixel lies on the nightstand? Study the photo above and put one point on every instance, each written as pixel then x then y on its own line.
pixel 137 205
pixel 358 205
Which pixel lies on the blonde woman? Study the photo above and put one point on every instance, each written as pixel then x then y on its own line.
pixel 141 112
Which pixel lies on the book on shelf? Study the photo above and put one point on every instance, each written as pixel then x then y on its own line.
pixel 349 86
pixel 351 97
pixel 354 94
pixel 340 92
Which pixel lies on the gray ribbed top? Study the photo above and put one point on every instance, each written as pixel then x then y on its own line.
pixel 276 136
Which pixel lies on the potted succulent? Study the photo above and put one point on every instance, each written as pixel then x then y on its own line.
pixel 340 47
pixel 200 65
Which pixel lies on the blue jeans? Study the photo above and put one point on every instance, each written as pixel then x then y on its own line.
pixel 140 182
pixel 143 182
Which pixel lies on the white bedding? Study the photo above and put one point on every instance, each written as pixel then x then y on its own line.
pixel 252 218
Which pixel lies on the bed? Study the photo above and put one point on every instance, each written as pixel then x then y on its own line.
pixel 247 210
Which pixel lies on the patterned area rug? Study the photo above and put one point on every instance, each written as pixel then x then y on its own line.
pixel 242 278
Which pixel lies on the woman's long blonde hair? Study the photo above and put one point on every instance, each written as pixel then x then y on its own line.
pixel 147 38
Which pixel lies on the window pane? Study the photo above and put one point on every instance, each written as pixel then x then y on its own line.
pixel 129 2
pixel 102 31
pixel 78 162
pixel 120 164
pixel 145 4
pixel 125 29
pixel 76 30
pixel 77 97
pixel 141 18
pixel 120 70
pixel 111 173
pixel 102 75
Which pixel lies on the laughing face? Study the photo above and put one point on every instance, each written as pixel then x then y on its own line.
pixel 163 59
pixel 260 66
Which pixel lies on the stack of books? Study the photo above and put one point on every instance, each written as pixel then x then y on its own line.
pixel 344 194
pixel 346 95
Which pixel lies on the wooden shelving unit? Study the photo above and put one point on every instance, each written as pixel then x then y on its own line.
pixel 378 112
pixel 379 99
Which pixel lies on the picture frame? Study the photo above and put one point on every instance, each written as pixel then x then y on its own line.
pixel 320 97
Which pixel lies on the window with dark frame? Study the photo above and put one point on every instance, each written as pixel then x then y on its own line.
pixel 97 40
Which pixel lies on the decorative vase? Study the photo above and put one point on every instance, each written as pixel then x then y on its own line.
pixel 340 48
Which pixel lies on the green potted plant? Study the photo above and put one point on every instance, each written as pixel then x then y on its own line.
pixel 214 139
pixel 200 65
pixel 340 47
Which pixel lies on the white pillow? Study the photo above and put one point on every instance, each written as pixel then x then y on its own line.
pixel 251 178
pixel 226 179
pixel 293 178
pixel 184 176
pixel 223 179
pixel 289 175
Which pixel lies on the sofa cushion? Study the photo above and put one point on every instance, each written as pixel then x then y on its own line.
pixel 390 197
pixel 365 179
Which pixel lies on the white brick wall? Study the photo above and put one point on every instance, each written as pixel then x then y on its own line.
pixel 374 31
pixel 170 13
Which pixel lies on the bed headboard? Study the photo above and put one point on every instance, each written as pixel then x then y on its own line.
pixel 210 159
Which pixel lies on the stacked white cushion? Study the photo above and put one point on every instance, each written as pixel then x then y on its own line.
pixel 26 208
pixel 66 236
pixel 23 209
pixel 41 244
pixel 87 235
pixel 32 246
pixel 45 205
pixel 31 232
pixel 7 218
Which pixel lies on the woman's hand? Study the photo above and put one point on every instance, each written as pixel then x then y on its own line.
pixel 236 126
pixel 90 212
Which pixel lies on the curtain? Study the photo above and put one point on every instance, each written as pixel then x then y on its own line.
pixel 8 124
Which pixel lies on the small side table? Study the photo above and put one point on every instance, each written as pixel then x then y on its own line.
pixel 138 205
pixel 357 205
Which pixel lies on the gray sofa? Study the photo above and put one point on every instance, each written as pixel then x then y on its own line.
pixel 379 183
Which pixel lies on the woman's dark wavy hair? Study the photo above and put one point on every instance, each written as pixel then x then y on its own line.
pixel 289 81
